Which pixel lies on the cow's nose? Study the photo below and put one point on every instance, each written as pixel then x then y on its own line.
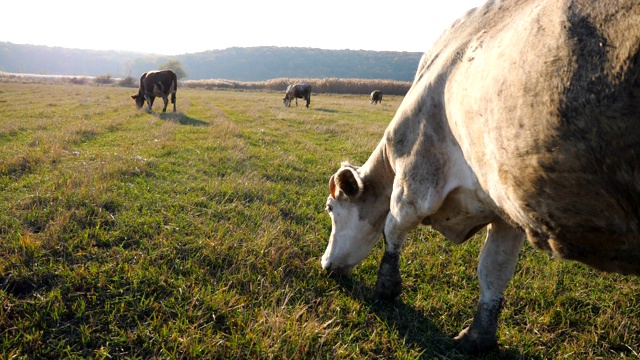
pixel 335 270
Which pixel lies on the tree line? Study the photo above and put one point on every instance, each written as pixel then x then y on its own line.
pixel 236 64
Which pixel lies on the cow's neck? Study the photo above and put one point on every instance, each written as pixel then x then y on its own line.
pixel 378 170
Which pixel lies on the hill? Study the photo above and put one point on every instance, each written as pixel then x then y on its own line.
pixel 241 64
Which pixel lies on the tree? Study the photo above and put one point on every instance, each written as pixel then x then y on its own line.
pixel 176 66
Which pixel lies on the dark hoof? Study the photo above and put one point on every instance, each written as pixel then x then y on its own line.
pixel 470 342
pixel 388 288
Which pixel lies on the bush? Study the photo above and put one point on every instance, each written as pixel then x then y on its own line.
pixel 78 80
pixel 128 82
pixel 325 85
pixel 103 79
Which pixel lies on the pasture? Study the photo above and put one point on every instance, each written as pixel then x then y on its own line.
pixel 125 234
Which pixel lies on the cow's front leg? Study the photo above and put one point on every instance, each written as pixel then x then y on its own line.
pixel 495 269
pixel 150 100
pixel 389 282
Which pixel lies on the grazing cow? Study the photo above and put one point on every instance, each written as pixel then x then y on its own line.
pixel 523 117
pixel 157 83
pixel 297 91
pixel 376 97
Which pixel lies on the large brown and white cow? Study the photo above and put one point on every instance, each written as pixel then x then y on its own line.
pixel 523 117
pixel 159 83
pixel 297 91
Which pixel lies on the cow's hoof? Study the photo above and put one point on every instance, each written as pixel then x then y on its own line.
pixel 388 287
pixel 471 342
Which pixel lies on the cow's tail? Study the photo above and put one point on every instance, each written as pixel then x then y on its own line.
pixel 174 87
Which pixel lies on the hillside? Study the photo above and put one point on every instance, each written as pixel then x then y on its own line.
pixel 241 64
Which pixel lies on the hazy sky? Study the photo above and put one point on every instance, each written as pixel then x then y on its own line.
pixel 188 26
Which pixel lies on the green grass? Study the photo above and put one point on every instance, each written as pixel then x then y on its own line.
pixel 199 234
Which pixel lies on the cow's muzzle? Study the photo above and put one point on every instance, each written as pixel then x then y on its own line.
pixel 332 269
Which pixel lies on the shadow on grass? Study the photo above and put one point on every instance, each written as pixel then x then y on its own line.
pixel 326 110
pixel 416 328
pixel 182 119
pixel 23 287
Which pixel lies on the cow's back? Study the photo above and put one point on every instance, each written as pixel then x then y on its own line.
pixel 544 100
pixel 168 78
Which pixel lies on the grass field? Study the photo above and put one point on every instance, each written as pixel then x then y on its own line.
pixel 199 234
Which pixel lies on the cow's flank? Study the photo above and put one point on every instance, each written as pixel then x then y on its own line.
pixel 157 84
pixel 524 117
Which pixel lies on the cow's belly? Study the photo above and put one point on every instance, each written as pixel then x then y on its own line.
pixel 157 91
pixel 461 215
pixel 575 197
pixel 581 203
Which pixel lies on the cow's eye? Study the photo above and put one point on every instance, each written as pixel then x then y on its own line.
pixel 329 208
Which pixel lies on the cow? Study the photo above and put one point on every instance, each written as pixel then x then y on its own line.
pixel 524 118
pixel 376 97
pixel 297 91
pixel 157 83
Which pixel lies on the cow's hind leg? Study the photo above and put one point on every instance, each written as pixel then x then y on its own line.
pixel 165 99
pixel 495 269
pixel 173 101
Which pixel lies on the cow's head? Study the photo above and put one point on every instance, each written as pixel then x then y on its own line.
pixel 286 102
pixel 139 100
pixel 358 210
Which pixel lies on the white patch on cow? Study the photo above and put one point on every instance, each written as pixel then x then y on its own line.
pixel 158 90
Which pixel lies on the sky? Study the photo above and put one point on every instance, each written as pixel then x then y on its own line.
pixel 188 26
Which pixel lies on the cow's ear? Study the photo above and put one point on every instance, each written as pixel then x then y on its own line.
pixel 332 186
pixel 348 181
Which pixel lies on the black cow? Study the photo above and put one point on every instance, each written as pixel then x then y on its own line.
pixel 157 83
pixel 297 91
pixel 376 97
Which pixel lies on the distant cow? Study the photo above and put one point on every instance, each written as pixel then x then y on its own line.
pixel 376 97
pixel 297 91
pixel 524 117
pixel 159 83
